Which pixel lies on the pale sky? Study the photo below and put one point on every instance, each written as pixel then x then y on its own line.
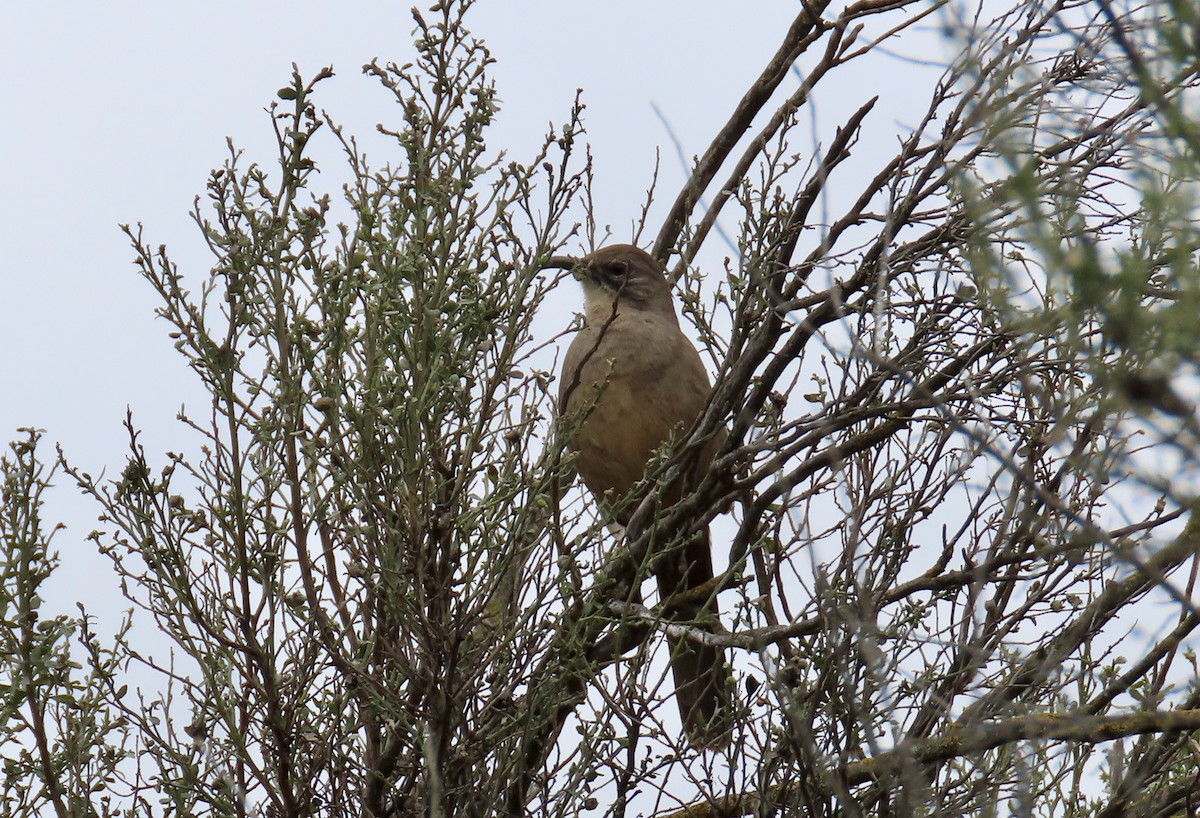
pixel 116 112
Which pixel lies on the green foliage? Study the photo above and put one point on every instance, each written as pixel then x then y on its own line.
pixel 1087 236
pixel 63 738
pixel 348 553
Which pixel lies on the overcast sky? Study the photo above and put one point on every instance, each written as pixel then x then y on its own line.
pixel 115 113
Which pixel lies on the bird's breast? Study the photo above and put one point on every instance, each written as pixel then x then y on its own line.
pixel 638 381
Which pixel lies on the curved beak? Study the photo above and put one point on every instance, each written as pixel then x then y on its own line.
pixel 561 263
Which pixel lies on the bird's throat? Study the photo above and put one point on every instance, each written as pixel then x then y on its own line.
pixel 597 305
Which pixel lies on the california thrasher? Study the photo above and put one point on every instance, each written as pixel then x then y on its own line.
pixel 631 379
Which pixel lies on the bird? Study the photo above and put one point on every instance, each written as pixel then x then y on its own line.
pixel 631 381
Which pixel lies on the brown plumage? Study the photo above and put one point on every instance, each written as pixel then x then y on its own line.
pixel 631 379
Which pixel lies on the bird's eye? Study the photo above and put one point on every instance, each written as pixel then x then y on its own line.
pixel 616 271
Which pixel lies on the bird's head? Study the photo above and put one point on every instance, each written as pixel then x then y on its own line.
pixel 620 275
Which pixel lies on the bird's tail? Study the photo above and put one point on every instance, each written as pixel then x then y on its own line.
pixel 702 679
